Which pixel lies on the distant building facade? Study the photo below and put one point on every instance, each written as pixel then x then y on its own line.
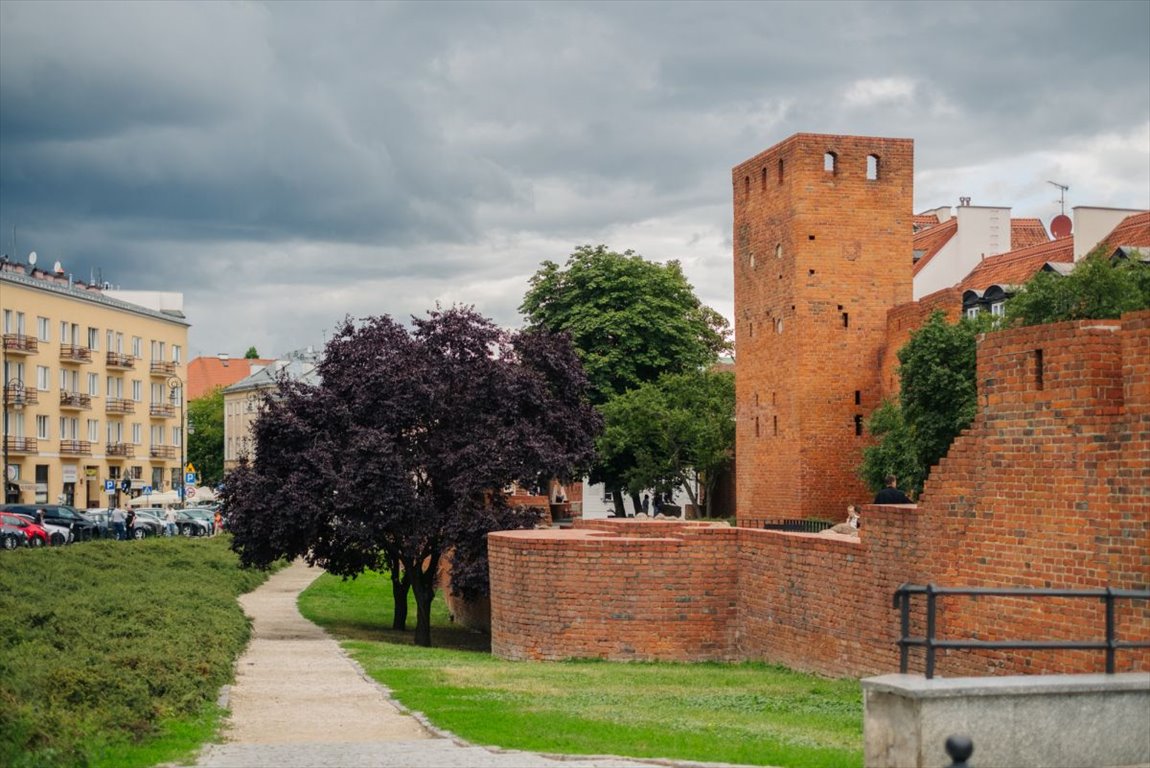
pixel 243 402
pixel 93 388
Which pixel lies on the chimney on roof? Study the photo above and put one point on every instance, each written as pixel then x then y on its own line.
pixel 224 358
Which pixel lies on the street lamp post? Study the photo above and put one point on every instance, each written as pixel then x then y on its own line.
pixel 175 384
pixel 16 399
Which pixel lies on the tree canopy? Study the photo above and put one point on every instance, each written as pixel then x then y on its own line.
pixel 206 442
pixel 400 455
pixel 675 432
pixel 631 321
pixel 1095 289
pixel 251 354
pixel 938 398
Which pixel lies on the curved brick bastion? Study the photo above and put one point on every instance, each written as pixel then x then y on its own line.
pixel 614 589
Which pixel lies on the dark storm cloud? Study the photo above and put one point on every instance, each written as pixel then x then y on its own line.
pixel 367 157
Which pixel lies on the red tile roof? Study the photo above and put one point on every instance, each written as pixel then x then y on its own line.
pixel 923 221
pixel 930 241
pixel 1134 230
pixel 1017 266
pixel 1027 232
pixel 207 373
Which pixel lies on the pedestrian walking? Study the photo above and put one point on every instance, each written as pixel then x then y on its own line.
pixel 170 522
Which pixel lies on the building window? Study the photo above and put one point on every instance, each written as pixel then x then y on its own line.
pixel 43 382
pixel 94 384
pixel 858 397
pixel 846 320
pixel 858 425
pixel 780 170
pixel 1039 373
pixel 778 250
pixel 176 353
pixel 137 432
pixel 177 436
pixel 158 435
pixel 137 346
pixel 998 308
pixel 972 312
pixel 93 431
pixel 42 329
pixel 830 162
pixel 872 167
pixel 747 186
pixel 42 427
pixel 137 390
pixel 764 180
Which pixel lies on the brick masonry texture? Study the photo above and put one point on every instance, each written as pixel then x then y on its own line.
pixel 1049 487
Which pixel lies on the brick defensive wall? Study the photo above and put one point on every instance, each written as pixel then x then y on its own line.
pixel 1049 487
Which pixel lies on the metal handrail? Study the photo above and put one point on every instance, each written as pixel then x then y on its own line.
pixel 902 599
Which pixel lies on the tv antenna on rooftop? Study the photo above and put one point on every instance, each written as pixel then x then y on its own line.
pixel 1061 196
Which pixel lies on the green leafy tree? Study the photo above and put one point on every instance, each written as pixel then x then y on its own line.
pixel 894 453
pixel 251 354
pixel 1095 289
pixel 206 442
pixel 631 321
pixel 938 398
pixel 678 432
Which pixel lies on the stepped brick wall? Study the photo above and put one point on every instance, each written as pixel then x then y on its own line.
pixel 903 320
pixel 1050 487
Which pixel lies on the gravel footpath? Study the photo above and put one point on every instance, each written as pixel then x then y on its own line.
pixel 300 702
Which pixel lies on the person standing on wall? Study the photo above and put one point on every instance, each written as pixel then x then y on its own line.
pixel 891 494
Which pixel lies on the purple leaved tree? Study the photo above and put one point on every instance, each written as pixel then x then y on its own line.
pixel 401 453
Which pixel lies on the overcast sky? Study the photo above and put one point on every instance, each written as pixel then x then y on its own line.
pixel 286 164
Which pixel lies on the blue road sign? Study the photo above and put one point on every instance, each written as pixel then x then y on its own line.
pixel 147 490
pixel 109 485
pixel 190 478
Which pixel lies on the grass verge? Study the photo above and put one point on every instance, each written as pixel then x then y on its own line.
pixel 113 653
pixel 752 714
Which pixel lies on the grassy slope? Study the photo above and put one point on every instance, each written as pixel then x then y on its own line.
pixel 113 653
pixel 739 713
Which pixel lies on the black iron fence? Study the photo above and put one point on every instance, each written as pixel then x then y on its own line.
pixel 797 525
pixel 1110 644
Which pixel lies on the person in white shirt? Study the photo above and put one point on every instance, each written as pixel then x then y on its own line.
pixel 170 522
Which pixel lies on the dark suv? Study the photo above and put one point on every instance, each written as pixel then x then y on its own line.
pixel 58 514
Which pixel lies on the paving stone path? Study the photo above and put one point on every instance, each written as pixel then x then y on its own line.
pixel 300 702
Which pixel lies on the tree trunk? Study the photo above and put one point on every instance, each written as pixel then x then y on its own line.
pixel 423 586
pixel 690 495
pixel 399 590
pixel 617 497
pixel 636 502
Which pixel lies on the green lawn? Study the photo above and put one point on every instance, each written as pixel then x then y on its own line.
pixel 738 713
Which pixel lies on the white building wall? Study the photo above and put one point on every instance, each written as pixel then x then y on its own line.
pixel 982 231
pixel 1092 224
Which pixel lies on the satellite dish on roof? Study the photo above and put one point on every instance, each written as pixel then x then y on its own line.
pixel 1061 226
pixel 58 268
pixel 32 258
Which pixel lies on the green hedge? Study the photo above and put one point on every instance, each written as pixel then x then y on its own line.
pixel 106 645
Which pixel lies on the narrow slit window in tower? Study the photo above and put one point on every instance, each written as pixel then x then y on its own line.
pixel 747 185
pixel 776 425
pixel 858 425
pixel 872 167
pixel 858 397
pixel 1038 372
pixel 764 178
pixel 830 162
pixel 780 170
pixel 756 426
pixel 846 320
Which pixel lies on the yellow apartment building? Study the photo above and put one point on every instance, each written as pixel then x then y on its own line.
pixel 93 388
pixel 243 401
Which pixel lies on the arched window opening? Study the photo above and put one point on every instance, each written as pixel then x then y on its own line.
pixel 872 167
pixel 830 162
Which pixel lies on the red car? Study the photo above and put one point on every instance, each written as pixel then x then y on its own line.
pixel 37 536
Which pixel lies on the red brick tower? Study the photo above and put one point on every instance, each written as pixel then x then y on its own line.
pixel 822 249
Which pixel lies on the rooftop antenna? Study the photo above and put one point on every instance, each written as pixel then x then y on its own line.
pixel 1061 196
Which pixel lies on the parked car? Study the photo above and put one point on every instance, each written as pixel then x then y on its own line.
pixel 12 536
pixel 62 515
pixel 36 536
pixel 147 523
pixel 103 521
pixel 58 535
pixel 192 525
